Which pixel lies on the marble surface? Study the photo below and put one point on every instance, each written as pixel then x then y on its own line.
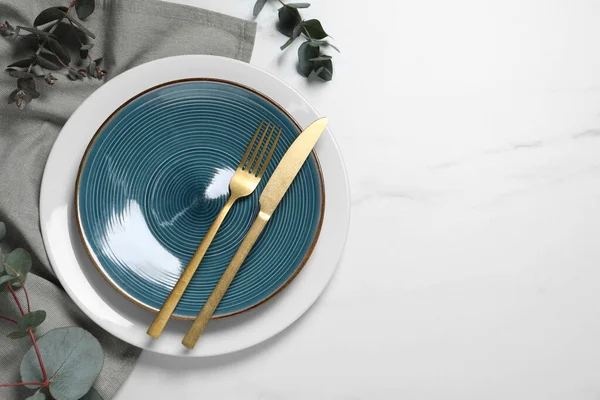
pixel 471 133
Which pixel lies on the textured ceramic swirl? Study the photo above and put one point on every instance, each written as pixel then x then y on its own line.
pixel 156 175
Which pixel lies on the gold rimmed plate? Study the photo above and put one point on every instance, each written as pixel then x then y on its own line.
pixel 154 177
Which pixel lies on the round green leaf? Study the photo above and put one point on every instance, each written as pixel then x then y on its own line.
pixel 72 357
pixel 305 53
pixel 37 396
pixel 85 8
pixel 17 334
pixel 17 262
pixel 2 230
pixel 258 6
pixel 50 14
pixel 32 319
pixel 288 19
pixel 315 29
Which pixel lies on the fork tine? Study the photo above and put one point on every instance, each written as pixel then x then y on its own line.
pixel 254 155
pixel 263 151
pixel 268 159
pixel 251 144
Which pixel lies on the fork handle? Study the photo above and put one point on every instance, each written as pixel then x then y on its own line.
pixel 163 316
pixel 213 301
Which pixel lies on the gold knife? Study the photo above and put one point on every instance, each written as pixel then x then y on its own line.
pixel 278 184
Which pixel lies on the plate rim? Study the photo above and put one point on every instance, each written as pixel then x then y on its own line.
pixel 55 217
pixel 98 265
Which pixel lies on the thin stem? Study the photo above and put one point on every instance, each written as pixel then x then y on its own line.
pixel 22 384
pixel 22 285
pixel 39 356
pixel 12 291
pixel 8 319
pixel 65 65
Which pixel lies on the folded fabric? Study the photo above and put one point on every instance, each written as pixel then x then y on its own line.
pixel 129 33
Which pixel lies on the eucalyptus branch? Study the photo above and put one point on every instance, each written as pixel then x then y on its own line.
pixel 57 374
pixel 310 59
pixel 51 53
pixel 14 295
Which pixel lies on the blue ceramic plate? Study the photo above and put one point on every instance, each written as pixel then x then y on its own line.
pixel 155 176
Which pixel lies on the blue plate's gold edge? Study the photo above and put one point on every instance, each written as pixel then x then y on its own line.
pixel 126 295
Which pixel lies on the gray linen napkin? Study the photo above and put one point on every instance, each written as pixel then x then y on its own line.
pixel 129 32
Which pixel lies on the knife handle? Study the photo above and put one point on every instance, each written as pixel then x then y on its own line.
pixel 163 316
pixel 217 294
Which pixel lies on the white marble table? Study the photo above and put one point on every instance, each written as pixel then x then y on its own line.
pixel 471 132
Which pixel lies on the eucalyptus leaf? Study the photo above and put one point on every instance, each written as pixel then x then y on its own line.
pixel 258 6
pixel 317 43
pixel 24 63
pixel 26 83
pixel 322 57
pixel 82 28
pixel 37 396
pixel 6 278
pixel 20 74
pixel 85 8
pixel 49 15
pixel 305 53
pixel 36 31
pixel 295 34
pixel 16 284
pixel 2 232
pixel 324 69
pixel 288 19
pixel 17 335
pixel 17 262
pixel 59 51
pixel 315 29
pixel 43 59
pixel 92 395
pixel 32 319
pixel 298 5
pixel 287 43
pixel 73 359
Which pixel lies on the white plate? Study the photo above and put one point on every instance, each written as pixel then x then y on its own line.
pixel 116 314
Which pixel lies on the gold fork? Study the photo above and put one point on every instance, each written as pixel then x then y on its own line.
pixel 244 181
